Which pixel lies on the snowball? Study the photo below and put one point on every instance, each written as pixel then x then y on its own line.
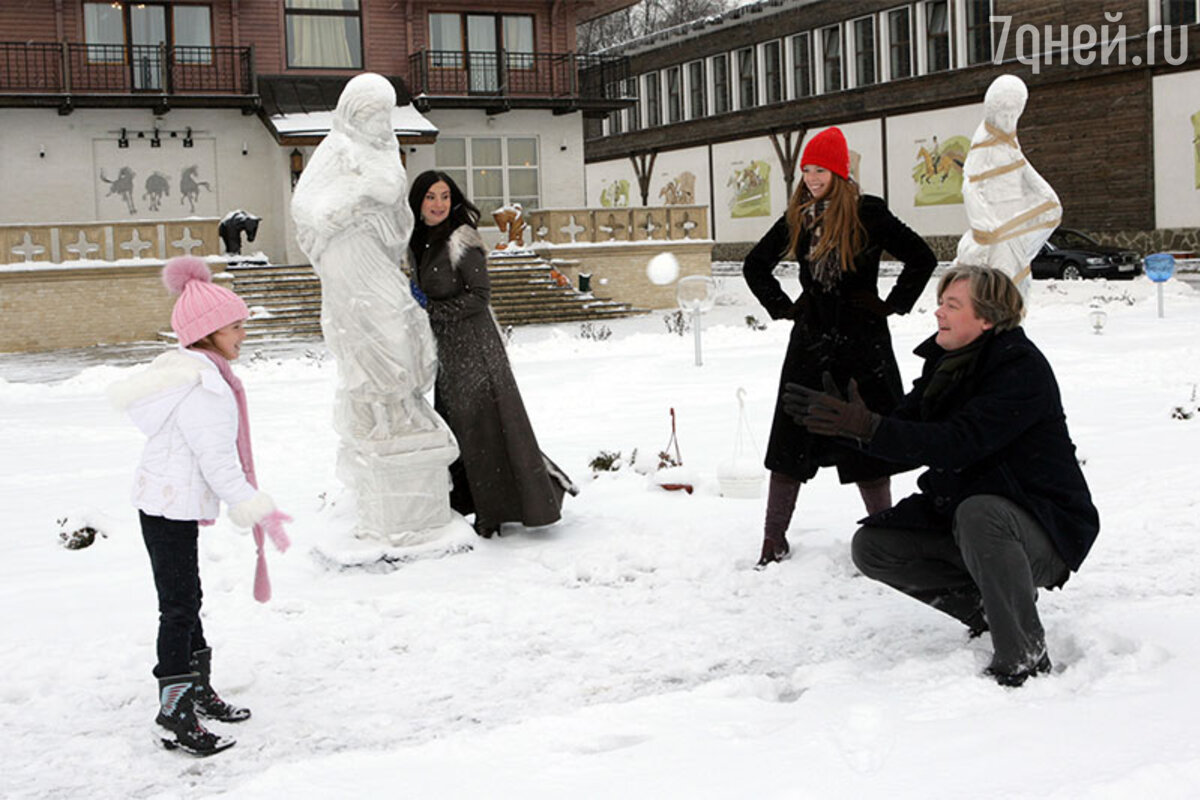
pixel 663 269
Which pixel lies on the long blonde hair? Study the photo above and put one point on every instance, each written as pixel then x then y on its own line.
pixel 841 227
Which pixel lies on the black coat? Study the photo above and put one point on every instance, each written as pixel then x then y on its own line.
pixel 999 430
pixel 501 474
pixel 843 331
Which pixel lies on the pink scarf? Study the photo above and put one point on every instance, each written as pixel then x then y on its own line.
pixel 262 582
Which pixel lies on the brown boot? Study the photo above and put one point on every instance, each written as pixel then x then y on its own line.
pixel 773 551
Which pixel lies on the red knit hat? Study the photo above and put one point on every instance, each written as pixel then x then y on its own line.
pixel 828 149
pixel 202 307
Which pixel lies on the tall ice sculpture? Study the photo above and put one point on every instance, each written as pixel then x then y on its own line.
pixel 1011 209
pixel 353 221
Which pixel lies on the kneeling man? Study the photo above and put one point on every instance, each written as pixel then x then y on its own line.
pixel 1003 508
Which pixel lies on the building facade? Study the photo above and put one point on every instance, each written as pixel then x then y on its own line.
pixel 723 107
pixel 120 111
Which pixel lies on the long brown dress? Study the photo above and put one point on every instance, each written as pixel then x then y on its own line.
pixel 501 474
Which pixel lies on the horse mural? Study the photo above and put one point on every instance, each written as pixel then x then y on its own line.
pixel 938 173
pixel 616 194
pixel 1196 145
pixel 189 187
pixel 681 191
pixel 751 190
pixel 157 187
pixel 122 186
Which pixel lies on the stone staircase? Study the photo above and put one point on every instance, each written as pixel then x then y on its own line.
pixel 524 292
pixel 285 300
pixel 289 294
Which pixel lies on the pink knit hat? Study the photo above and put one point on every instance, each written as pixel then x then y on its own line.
pixel 202 307
pixel 828 149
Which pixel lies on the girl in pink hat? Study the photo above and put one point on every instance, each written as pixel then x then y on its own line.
pixel 839 322
pixel 192 408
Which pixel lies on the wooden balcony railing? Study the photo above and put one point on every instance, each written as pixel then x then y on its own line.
pixel 68 68
pixel 507 74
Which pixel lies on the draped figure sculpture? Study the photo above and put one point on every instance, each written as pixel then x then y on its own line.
pixel 353 221
pixel 1011 209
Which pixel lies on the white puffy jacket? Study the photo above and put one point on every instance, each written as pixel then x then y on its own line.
pixel 190 461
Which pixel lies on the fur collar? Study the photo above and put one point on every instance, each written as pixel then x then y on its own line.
pixel 173 369
pixel 465 237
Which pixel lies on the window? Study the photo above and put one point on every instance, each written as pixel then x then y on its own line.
pixel 616 118
pixel 772 72
pixel 1178 12
pixel 864 51
pixel 635 110
pixel 746 78
pixel 493 46
pixel 802 73
pixel 190 34
pixel 937 36
pixel 653 101
pixel 323 33
pixel 899 32
pixel 522 171
pixel 103 24
pixel 979 31
pixel 518 41
pixel 721 89
pixel 445 40
pixel 697 90
pixel 674 94
pixel 492 171
pixel 831 58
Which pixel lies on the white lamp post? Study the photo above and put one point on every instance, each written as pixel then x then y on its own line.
pixel 697 294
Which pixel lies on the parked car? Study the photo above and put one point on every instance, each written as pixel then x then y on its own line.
pixel 1072 255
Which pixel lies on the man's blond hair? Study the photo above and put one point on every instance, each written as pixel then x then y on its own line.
pixel 993 294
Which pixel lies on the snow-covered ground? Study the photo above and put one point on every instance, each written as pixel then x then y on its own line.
pixel 631 650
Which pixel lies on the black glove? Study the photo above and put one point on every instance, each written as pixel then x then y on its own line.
pixel 871 304
pixel 827 414
pixel 797 310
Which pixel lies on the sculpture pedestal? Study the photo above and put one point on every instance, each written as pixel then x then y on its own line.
pixel 401 486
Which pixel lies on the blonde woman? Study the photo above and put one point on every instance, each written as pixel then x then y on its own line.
pixel 840 324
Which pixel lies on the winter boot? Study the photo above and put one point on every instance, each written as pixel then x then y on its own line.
pixel 208 703
pixel 773 551
pixel 1018 676
pixel 177 723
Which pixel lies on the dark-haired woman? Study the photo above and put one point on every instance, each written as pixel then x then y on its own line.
pixel 839 322
pixel 501 475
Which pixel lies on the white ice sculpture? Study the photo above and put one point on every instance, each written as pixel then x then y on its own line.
pixel 353 221
pixel 1011 209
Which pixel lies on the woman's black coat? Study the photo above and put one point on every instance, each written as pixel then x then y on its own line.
pixel 843 331
pixel 999 430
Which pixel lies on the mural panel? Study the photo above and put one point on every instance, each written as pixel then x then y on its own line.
pixel 1196 146
pixel 751 185
pixel 1176 145
pixel 143 182
pixel 938 172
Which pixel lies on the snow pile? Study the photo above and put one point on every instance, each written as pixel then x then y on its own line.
pixel 630 650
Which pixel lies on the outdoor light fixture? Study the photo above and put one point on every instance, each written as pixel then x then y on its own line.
pixel 1098 317
pixel 187 138
pixel 123 142
pixel 156 142
pixel 296 161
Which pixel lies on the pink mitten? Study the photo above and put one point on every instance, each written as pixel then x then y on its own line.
pixel 272 523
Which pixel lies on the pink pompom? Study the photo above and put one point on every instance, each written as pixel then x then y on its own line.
pixel 182 270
